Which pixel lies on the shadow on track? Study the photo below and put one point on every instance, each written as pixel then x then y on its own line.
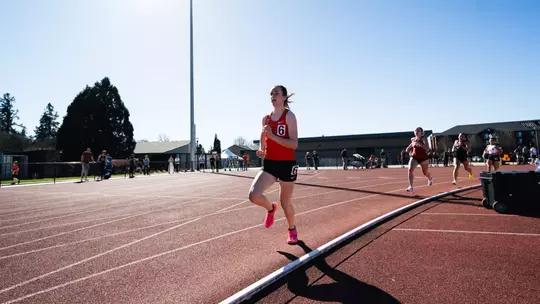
pixel 418 197
pixel 343 289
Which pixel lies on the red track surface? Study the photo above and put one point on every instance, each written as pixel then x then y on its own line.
pixel 177 239
pixel 449 251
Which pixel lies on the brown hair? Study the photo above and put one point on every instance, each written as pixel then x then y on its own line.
pixel 421 130
pixel 284 93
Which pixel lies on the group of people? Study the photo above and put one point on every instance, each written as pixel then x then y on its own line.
pixel 104 165
pixel 279 140
pixel 312 159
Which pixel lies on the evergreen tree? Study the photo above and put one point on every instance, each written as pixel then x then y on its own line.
pixel 217 145
pixel 24 132
pixel 48 124
pixel 96 119
pixel 200 149
pixel 8 114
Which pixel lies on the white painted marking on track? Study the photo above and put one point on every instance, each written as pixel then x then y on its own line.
pixel 146 203
pixel 467 214
pixel 105 223
pixel 247 292
pixel 247 201
pixel 333 191
pixel 467 232
pixel 169 251
pixel 94 257
pixel 229 209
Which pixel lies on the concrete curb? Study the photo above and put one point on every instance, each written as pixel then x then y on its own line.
pixel 263 283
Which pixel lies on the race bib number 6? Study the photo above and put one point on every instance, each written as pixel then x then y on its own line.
pixel 281 130
pixel 294 170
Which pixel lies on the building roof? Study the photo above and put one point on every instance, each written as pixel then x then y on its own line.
pixel 160 147
pixel 242 147
pixel 511 126
pixel 357 136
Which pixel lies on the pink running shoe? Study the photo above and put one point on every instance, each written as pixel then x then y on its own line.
pixel 293 236
pixel 269 220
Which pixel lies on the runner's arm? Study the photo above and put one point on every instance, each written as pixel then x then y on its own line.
pixel 409 148
pixel 262 142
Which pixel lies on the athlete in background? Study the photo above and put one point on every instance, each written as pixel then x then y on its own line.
pixel 492 154
pixel 461 148
pixel 279 140
pixel 419 156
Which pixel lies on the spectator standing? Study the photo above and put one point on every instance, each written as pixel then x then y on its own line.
pixel 101 162
pixel 15 173
pixel 315 160
pixel 171 165
pixel 132 166
pixel 345 158
pixel 534 154
pixel 383 159
pixel 308 161
pixel 146 165
pixel 245 158
pixel 86 158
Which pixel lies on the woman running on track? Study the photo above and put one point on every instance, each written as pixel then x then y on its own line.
pixel 461 148
pixel 492 154
pixel 419 156
pixel 279 140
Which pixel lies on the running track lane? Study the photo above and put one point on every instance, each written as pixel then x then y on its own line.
pixel 204 256
pixel 448 251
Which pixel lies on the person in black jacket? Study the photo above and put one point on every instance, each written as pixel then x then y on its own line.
pixel 315 160
pixel 344 158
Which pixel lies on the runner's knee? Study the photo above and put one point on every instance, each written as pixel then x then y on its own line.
pixel 254 195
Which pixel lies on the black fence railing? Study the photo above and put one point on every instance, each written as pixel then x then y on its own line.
pixel 31 172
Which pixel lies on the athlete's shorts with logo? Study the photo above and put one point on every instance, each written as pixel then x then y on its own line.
pixel 494 157
pixel 283 170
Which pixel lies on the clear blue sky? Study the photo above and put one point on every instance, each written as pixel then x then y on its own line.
pixel 355 66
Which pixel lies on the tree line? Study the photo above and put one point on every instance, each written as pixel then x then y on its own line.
pixel 97 118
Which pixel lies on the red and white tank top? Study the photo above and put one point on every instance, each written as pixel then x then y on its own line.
pixel 275 151
pixel 419 152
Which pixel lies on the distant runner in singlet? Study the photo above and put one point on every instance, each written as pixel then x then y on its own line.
pixel 461 147
pixel 492 154
pixel 419 156
pixel 279 140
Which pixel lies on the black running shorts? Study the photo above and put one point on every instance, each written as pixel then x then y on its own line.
pixel 494 157
pixel 283 170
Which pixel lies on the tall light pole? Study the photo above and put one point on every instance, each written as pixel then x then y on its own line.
pixel 192 89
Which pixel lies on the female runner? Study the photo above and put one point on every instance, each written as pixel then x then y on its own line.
pixel 279 140
pixel 461 148
pixel 419 156
pixel 492 154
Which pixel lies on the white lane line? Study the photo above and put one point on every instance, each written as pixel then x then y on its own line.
pixel 246 201
pixel 136 203
pixel 106 223
pixel 76 181
pixel 94 257
pixel 259 285
pixel 217 212
pixel 83 196
pixel 467 232
pixel 467 214
pixel 333 191
pixel 172 250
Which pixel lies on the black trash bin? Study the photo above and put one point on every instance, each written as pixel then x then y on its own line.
pixel 506 190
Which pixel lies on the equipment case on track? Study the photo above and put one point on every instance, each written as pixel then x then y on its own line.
pixel 505 190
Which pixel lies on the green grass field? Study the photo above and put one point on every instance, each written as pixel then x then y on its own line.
pixel 51 180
